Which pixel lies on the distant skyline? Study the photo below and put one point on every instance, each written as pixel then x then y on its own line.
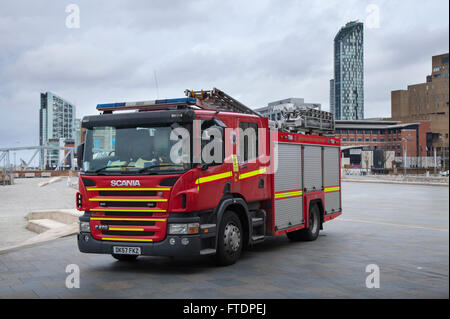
pixel 257 51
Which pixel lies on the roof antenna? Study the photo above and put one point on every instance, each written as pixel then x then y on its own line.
pixel 156 84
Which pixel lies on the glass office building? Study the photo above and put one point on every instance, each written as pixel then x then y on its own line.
pixel 56 121
pixel 349 72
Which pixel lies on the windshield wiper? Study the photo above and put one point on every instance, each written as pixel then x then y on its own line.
pixel 105 167
pixel 161 165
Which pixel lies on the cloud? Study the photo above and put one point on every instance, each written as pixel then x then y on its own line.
pixel 257 51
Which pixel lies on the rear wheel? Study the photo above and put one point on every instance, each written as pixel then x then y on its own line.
pixel 229 241
pixel 125 257
pixel 312 232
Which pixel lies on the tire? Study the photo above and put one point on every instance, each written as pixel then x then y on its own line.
pixel 229 240
pixel 312 232
pixel 125 257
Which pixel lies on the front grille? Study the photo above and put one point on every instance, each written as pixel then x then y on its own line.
pixel 127 193
pixel 127 204
pixel 128 214
pixel 128 233
pixel 127 223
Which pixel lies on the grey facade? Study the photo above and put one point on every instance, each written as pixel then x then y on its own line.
pixel 349 72
pixel 56 121
pixel 273 109
pixel 332 97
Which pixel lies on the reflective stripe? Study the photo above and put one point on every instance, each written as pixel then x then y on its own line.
pixel 128 199
pixel 212 178
pixel 128 189
pixel 332 189
pixel 127 210
pixel 253 173
pixel 127 229
pixel 131 219
pixel 288 194
pixel 126 239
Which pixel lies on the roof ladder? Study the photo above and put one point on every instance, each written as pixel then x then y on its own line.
pixel 216 99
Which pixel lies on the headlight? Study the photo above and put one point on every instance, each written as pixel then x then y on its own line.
pixel 183 229
pixel 85 227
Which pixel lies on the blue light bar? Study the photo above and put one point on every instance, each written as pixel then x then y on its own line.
pixel 187 100
pixel 110 105
pixel 143 104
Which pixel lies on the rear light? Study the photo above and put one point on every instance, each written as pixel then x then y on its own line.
pixel 78 200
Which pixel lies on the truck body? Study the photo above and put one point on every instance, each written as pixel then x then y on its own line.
pixel 138 200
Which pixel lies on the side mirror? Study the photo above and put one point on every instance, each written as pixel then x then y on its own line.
pixel 80 151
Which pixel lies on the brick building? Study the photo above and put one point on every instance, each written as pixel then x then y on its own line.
pixel 386 135
pixel 427 102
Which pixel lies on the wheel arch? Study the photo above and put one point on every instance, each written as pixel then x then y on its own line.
pixel 320 204
pixel 239 206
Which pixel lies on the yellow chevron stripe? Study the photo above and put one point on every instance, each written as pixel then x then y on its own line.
pixel 332 189
pixel 126 239
pixel 127 210
pixel 215 177
pixel 128 189
pixel 288 194
pixel 128 199
pixel 253 173
pixel 130 219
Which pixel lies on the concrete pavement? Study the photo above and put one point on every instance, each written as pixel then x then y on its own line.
pixel 401 228
pixel 17 200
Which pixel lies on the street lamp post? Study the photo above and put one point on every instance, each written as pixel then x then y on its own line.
pixel 404 155
pixel 443 152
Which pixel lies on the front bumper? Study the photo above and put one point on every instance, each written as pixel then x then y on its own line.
pixel 161 248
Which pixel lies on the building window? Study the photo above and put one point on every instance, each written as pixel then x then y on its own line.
pixel 374 140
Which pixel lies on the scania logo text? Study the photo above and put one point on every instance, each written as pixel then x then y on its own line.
pixel 125 183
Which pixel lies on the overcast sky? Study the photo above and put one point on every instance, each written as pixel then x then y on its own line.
pixel 256 51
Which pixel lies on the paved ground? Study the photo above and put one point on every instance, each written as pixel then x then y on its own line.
pixel 401 228
pixel 414 179
pixel 25 195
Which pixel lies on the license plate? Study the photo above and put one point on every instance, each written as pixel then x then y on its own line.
pixel 127 250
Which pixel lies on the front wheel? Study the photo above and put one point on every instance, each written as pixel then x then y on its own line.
pixel 312 232
pixel 229 241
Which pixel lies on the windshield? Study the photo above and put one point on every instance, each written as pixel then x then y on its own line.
pixel 133 150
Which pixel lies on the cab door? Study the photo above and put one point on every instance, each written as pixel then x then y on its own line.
pixel 252 178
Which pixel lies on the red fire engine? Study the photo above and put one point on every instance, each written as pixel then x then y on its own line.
pixel 138 201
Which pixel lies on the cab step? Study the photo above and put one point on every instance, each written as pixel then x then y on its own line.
pixel 208 251
pixel 258 238
pixel 258 226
